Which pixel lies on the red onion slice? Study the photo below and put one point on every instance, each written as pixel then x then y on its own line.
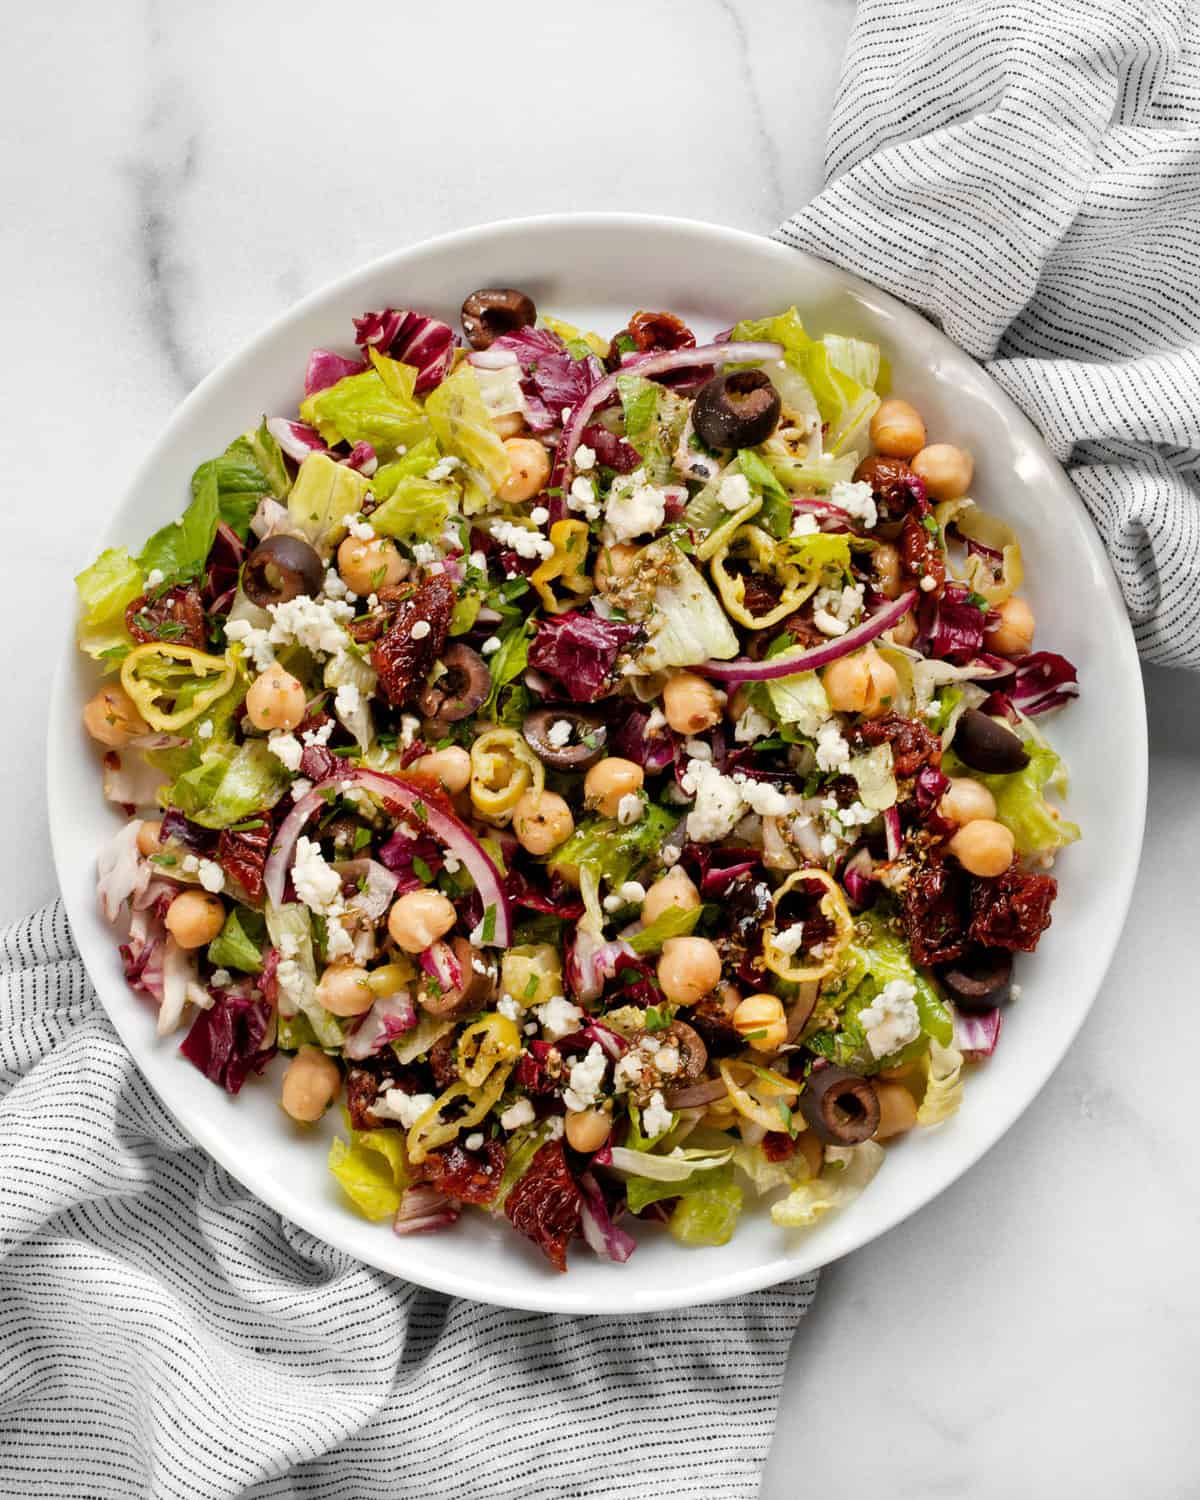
pixel 408 797
pixel 976 1036
pixel 656 364
pixel 891 827
pixel 423 1209
pixel 742 669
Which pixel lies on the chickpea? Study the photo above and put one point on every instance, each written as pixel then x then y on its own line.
pixel 946 470
pixel 276 700
pixel 691 704
pixel 542 823
pixel 509 424
pixel 886 562
pixel 529 469
pixel 762 1021
pixel 345 990
pixel 608 781
pixel 904 631
pixel 366 567
pixel 111 718
pixel 811 1149
pixel 897 430
pixel 420 918
pixel 862 683
pixel 966 800
pixel 1013 636
pixel 983 846
pixel 688 968
pixel 149 838
pixel 451 766
pixel 587 1129
pixel 613 563
pixel 897 1110
pixel 195 917
pixel 674 889
pixel 310 1085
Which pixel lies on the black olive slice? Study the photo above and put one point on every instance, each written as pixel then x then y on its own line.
pixel 988 746
pixel 736 409
pixel 460 689
pixel 841 1108
pixel 281 568
pixel 582 748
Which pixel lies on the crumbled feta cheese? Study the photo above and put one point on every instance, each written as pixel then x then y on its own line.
pixel 518 1114
pixel 698 749
pixel 339 942
pixel 585 458
pixel 656 722
pixel 407 1108
pixel 335 585
pixel 668 1061
pixel 154 577
pixel 190 864
pixel 315 625
pixel 317 883
pixel 833 753
pixel 718 806
pixel 828 624
pixel 633 892
pixel 420 630
pixel 204 731
pixel 288 945
pixel 629 809
pixel 478 561
pixel 286 748
pixel 556 1128
pixel 928 584
pixel 360 530
pixel 558 1017
pixel 657 1119
pixel 491 645
pixel 317 736
pixel 856 499
pixel 612 903
pixel 891 1020
pixel 509 1007
pixel 410 727
pixel 752 726
pixel 348 700
pixel 474 1142
pixel 855 816
pixel 585 1079
pixel 559 733
pixel 424 553
pixel 670 855
pixel 301 788
pixel 734 492
pixel 635 507
pixel 212 877
pixel 257 642
pixel 789 940
pixel 805 525
pixel 539 515
pixel 451 864
pixel 763 798
pixel 523 541
pixel 835 609
pixel 444 468
pixel 221 978
pixel 582 498
pixel 829 844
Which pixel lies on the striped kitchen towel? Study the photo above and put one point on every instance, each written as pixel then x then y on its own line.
pixel 1027 172
pixel 163 1333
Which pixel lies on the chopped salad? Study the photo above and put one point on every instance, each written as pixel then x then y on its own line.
pixel 609 770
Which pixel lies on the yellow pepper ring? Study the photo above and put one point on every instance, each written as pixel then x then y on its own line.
pixel 775 1084
pixel 761 549
pixel 503 769
pixel 833 905
pixel 486 1044
pixel 431 1130
pixel 568 562
pixel 161 670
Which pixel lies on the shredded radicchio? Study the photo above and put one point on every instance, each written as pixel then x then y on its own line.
pixel 413 339
pixel 580 650
pixel 225 1041
pixel 956 632
pixel 400 854
pixel 325 368
pixel 551 378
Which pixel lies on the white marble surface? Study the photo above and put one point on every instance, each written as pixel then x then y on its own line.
pixel 172 177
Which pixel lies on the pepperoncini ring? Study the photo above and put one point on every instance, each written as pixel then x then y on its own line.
pixel 567 563
pixel 775 1085
pixel 487 1044
pixel 503 769
pixel 976 525
pixel 432 1130
pixel 189 680
pixel 833 906
pixel 760 549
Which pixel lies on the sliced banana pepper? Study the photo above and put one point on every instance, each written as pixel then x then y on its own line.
pixel 567 565
pixel 989 531
pixel 432 1130
pixel 159 674
pixel 486 1044
pixel 755 1082
pixel 761 550
pixel 503 769
pixel 833 906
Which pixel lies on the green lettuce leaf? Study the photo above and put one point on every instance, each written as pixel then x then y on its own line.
pixel 416 509
pixel 614 852
pixel 290 926
pixel 228 783
pixel 776 513
pixel 654 420
pixel 180 548
pixel 105 590
pixel 324 495
pixel 250 468
pixel 376 407
pixel 688 625
pixel 461 424
pixel 674 922
pixel 239 943
pixel 371 1170
pixel 1021 805
pixel 799 700
pixel 416 463
pixel 505 665
pixel 833 1189
pixel 708 1215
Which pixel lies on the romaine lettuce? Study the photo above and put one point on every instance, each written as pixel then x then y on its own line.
pixel 229 783
pixel 324 495
pixel 239 943
pixel 688 625
pixel 834 1188
pixel 461 424
pixel 416 509
pixel 180 548
pixel 799 700
pixel 376 407
pixel 613 851
pixel 1036 826
pixel 674 922
pixel 709 1213
pixel 654 418
pixel 106 589
pixel 417 462
pixel 251 467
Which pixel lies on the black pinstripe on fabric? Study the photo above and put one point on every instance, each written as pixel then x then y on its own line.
pixel 163 1333
pixel 1027 172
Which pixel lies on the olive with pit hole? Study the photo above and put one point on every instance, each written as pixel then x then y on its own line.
pixel 282 568
pixel 736 409
pixel 841 1108
pixel 574 751
pixel 460 689
pixel 473 991
pixel 980 980
pixel 986 745
pixel 493 311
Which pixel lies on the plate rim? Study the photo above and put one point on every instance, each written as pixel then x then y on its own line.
pixel 626 1295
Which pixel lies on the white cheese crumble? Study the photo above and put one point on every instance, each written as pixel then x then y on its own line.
pixel 629 809
pixel 585 1079
pixel 397 1105
pixel 360 530
pixel 204 731
pixel 286 748
pixel 524 543
pixel 420 630
pixel 424 553
pixel 723 801
pixel 317 883
pixel 856 499
pixel 539 515
pixel 833 753
pixel 805 525
pixel 582 498
pixel 317 626
pixel 558 1017
pixel 752 726
pixel 656 722
pixel 559 733
pixel 221 978
pixel 257 642
pixel 789 940
pixel 633 891
pixel 734 492
pixel 509 1007
pixel 834 610
pixel 891 1020
pixel 491 645
pixel 518 1114
pixel 348 700
pixel 212 877
pixel 635 507
pixel 444 468
pixel 474 1142
pixel 585 458
pixel 154 577
pixel 657 1119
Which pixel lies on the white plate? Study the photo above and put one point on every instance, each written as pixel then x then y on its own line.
pixel 596 270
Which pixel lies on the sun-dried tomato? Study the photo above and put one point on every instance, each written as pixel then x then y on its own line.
pixel 545 1204
pixel 655 331
pixel 895 486
pixel 933 909
pixel 242 852
pixel 921 554
pixel 469 1176
pixel 714 1028
pixel 441 1060
pixel 370 1077
pixel 1012 910
pixel 913 744
pixel 403 661
pixel 776 1146
pixel 176 615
